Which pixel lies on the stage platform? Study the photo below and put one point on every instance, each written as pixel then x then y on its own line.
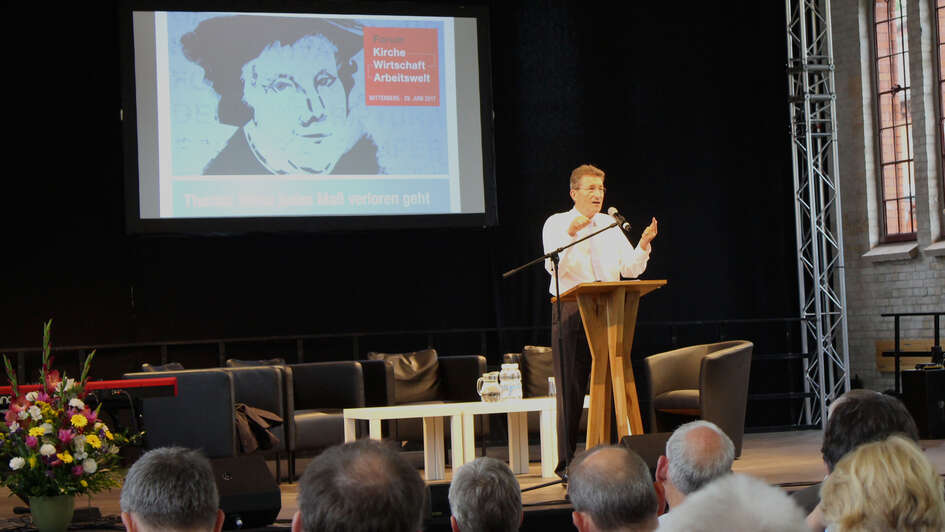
pixel 787 459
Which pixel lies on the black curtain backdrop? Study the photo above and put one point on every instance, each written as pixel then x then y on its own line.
pixel 683 104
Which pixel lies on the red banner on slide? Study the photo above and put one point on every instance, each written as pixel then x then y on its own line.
pixel 402 66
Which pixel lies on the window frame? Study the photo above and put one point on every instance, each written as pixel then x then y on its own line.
pixel 939 60
pixel 908 124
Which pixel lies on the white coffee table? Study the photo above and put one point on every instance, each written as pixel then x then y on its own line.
pixel 434 453
pixel 517 415
pixel 462 429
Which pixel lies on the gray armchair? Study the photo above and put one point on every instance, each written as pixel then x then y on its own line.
pixel 320 391
pixel 425 377
pixel 200 416
pixel 264 387
pixel 709 381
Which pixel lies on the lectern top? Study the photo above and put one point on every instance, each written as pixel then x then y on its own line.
pixel 643 287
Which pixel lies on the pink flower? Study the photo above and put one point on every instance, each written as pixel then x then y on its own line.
pixel 44 397
pixel 31 441
pixel 65 435
pixel 52 381
pixel 91 415
pixel 77 470
pixel 12 415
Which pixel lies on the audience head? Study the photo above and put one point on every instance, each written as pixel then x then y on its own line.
pixel 884 485
pixel 485 497
pixel 362 486
pixel 736 502
pixel 863 416
pixel 171 489
pixel 696 454
pixel 611 489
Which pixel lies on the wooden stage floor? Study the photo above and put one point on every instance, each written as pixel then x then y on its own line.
pixel 788 459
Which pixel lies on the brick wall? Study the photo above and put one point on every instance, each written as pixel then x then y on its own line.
pixel 916 284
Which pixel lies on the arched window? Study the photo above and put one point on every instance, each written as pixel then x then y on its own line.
pixel 893 99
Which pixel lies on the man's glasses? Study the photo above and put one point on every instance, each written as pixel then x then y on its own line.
pixel 591 190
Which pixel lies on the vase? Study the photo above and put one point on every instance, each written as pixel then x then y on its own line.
pixel 52 514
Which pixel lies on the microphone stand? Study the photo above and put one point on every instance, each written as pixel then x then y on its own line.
pixel 555 257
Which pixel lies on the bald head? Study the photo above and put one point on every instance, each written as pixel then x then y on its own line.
pixel 612 486
pixel 698 453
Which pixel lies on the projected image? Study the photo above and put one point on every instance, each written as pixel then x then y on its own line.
pixel 261 115
pixel 287 85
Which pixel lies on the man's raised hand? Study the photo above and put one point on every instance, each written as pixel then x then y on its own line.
pixel 579 222
pixel 648 234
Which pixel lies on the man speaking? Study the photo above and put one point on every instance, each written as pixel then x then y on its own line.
pixel 604 257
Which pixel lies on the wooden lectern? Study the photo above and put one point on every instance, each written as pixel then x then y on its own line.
pixel 609 313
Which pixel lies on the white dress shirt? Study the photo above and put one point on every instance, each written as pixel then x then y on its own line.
pixel 603 257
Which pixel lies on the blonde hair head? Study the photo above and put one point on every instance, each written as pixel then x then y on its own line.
pixel 583 170
pixel 884 485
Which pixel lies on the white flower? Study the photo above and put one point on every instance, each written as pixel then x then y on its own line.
pixel 22 414
pixel 113 449
pixel 79 442
pixel 32 396
pixel 47 428
pixel 17 462
pixel 14 426
pixel 81 455
pixel 89 466
pixel 98 426
pixel 36 413
pixel 68 384
pixel 75 402
pixel 47 449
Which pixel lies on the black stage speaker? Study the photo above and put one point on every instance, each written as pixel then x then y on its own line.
pixel 923 393
pixel 649 446
pixel 249 494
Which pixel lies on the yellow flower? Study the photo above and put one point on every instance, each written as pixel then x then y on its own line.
pixel 37 431
pixel 78 420
pixel 93 440
pixel 32 461
pixel 108 434
pixel 84 483
pixel 65 457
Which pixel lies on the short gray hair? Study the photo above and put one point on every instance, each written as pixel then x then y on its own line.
pixel 736 502
pixel 361 486
pixel 617 493
pixel 485 497
pixel 172 488
pixel 691 467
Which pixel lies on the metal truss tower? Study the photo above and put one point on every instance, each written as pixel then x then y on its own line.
pixel 821 284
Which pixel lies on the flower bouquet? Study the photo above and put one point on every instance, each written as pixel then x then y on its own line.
pixel 51 443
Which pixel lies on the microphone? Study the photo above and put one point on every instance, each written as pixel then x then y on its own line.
pixel 623 223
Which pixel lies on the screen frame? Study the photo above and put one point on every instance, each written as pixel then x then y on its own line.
pixel 134 224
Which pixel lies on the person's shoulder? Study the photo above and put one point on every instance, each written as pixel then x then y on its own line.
pixel 559 218
pixel 236 158
pixel 604 217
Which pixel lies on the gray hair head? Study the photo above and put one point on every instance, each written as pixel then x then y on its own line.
pixel 362 486
pixel 694 459
pixel 736 502
pixel 485 497
pixel 172 488
pixel 612 484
